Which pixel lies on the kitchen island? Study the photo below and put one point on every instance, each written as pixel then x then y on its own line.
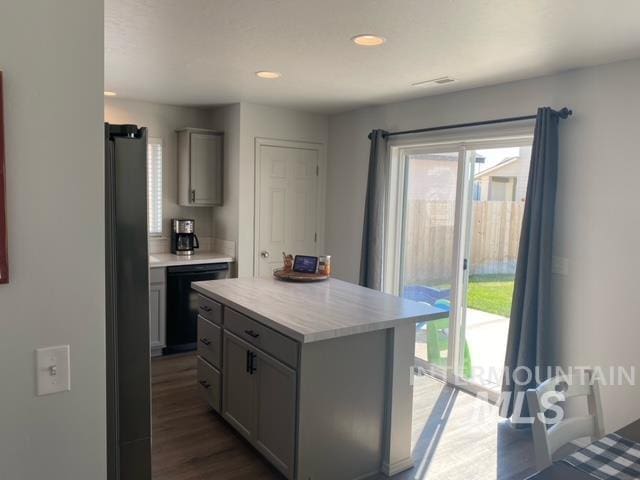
pixel 318 377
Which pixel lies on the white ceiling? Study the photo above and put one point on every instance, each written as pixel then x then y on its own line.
pixel 205 52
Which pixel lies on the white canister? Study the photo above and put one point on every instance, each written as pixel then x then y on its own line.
pixel 324 265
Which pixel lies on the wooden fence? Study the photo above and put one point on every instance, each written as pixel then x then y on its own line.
pixel 495 233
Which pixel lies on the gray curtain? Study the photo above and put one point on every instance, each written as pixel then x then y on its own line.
pixel 371 259
pixel 532 290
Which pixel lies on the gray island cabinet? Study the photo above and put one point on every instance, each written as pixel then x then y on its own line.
pixel 316 376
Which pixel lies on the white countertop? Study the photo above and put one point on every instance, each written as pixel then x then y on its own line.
pixel 310 312
pixel 171 260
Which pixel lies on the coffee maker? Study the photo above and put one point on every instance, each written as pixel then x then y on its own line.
pixel 183 238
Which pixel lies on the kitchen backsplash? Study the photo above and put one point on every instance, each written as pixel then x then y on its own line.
pixel 227 247
pixel 207 244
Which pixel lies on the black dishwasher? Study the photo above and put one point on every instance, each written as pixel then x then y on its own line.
pixel 182 303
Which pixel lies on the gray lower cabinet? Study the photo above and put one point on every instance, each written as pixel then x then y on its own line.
pixel 239 386
pixel 157 310
pixel 259 400
pixel 315 410
pixel 209 341
pixel 275 412
pixel 210 384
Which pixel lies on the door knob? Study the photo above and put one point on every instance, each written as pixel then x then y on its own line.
pixel 264 254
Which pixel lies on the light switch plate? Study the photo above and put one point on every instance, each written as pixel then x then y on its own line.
pixel 53 370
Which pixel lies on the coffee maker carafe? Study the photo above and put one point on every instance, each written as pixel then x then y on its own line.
pixel 183 238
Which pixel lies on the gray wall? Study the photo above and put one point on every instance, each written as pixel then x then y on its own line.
pixel 52 57
pixel 225 218
pixel 597 227
pixel 243 123
pixel 163 121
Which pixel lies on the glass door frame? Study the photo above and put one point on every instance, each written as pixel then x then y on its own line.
pixel 395 224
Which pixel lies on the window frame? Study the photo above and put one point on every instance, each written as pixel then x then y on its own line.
pixel 399 150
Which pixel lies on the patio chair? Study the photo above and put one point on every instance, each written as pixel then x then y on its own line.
pixel 423 293
pixel 548 439
pixel 438 341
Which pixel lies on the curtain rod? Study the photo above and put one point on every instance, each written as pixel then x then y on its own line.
pixel 562 113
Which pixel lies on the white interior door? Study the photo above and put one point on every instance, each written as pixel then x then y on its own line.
pixel 286 203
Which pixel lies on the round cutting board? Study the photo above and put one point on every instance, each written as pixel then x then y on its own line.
pixel 292 276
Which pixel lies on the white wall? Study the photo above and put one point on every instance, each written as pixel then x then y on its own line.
pixel 597 227
pixel 255 121
pixel 52 57
pixel 163 121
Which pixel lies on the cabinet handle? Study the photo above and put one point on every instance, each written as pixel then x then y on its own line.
pixel 193 195
pixel 252 362
pixel 252 333
pixel 205 308
pixel 206 341
pixel 204 383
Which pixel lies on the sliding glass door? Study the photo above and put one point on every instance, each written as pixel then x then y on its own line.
pixel 430 199
pixel 498 184
pixel 459 217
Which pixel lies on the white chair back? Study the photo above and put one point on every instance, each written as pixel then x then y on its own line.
pixel 551 434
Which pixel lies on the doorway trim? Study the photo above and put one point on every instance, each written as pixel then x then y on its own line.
pixel 321 191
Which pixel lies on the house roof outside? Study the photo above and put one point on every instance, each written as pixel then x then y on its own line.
pixel 492 170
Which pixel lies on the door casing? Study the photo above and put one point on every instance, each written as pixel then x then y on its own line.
pixel 320 191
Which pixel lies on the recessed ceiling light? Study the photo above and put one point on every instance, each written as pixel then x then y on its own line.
pixel 368 40
pixel 110 94
pixel 268 74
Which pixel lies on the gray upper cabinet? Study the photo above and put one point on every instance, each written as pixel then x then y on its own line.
pixel 200 157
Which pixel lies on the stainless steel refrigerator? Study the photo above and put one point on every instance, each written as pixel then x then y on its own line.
pixel 127 295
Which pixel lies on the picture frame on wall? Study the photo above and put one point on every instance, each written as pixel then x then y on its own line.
pixel 4 250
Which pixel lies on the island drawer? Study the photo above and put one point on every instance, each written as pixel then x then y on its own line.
pixel 209 341
pixel 210 384
pixel 210 309
pixel 281 347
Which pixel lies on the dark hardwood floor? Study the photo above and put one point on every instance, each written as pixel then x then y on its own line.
pixel 455 435
pixel 189 441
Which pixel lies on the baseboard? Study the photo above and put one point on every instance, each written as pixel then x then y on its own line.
pixel 156 351
pixel 397 467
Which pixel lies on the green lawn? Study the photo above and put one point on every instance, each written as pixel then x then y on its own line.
pixel 491 293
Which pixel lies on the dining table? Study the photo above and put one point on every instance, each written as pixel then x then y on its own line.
pixel 563 471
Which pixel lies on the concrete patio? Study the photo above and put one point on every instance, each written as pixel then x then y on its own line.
pixel 486 336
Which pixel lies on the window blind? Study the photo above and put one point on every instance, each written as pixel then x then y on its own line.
pixel 154 186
